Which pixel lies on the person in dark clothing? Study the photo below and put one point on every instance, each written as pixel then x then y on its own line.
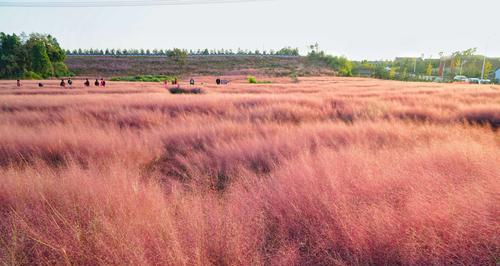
pixel 70 82
pixel 18 83
pixel 96 83
pixel 86 83
pixel 191 82
pixel 62 84
pixel 217 81
pixel 40 84
pixel 103 83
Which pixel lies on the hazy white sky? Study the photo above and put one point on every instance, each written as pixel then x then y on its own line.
pixel 359 29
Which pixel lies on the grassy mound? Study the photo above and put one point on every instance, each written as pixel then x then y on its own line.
pixel 186 91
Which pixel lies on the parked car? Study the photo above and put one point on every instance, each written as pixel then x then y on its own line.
pixel 479 81
pixel 460 78
pixel 474 81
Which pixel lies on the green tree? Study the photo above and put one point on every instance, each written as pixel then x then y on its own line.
pixel 287 51
pixel 178 56
pixel 54 51
pixel 40 61
pixel 428 71
pixel 392 72
pixel 60 69
pixel 13 57
pixel 469 52
pixel 488 67
pixel 339 63
pixel 381 71
pixel 457 62
pixel 342 65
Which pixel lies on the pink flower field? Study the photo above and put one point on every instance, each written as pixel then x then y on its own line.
pixel 324 171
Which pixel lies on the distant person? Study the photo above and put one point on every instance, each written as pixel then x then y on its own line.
pixel 191 82
pixel 40 84
pixel 62 84
pixel 165 83
pixel 217 81
pixel 86 83
pixel 70 82
pixel 96 83
pixel 18 83
pixel 103 83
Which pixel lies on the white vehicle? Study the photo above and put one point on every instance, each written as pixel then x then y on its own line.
pixel 479 81
pixel 460 78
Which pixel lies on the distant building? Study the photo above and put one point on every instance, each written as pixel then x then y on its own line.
pixel 497 74
pixel 363 72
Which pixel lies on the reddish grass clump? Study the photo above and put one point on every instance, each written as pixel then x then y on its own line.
pixel 328 171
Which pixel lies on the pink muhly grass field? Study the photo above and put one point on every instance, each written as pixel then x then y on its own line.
pixel 327 171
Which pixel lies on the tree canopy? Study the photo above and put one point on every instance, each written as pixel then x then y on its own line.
pixel 338 63
pixel 33 56
pixel 286 51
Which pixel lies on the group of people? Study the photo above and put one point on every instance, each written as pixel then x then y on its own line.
pixel 174 82
pixel 96 83
pixel 69 83
pixel 102 83
pixel 19 83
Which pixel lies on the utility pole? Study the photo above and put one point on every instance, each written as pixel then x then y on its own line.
pixel 461 65
pixel 482 71
pixel 444 67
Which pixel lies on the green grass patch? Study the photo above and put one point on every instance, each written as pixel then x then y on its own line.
pixel 144 78
pixel 253 80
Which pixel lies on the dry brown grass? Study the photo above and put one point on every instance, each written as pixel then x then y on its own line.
pixel 328 171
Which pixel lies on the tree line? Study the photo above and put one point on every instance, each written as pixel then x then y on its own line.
pixel 286 51
pixel 37 56
pixel 340 64
pixel 465 63
pixel 31 56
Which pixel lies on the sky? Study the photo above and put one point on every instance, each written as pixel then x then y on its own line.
pixel 358 29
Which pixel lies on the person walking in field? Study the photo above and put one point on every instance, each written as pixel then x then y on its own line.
pixel 191 82
pixel 62 84
pixel 70 83
pixel 18 83
pixel 103 83
pixel 96 83
pixel 86 83
pixel 40 84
